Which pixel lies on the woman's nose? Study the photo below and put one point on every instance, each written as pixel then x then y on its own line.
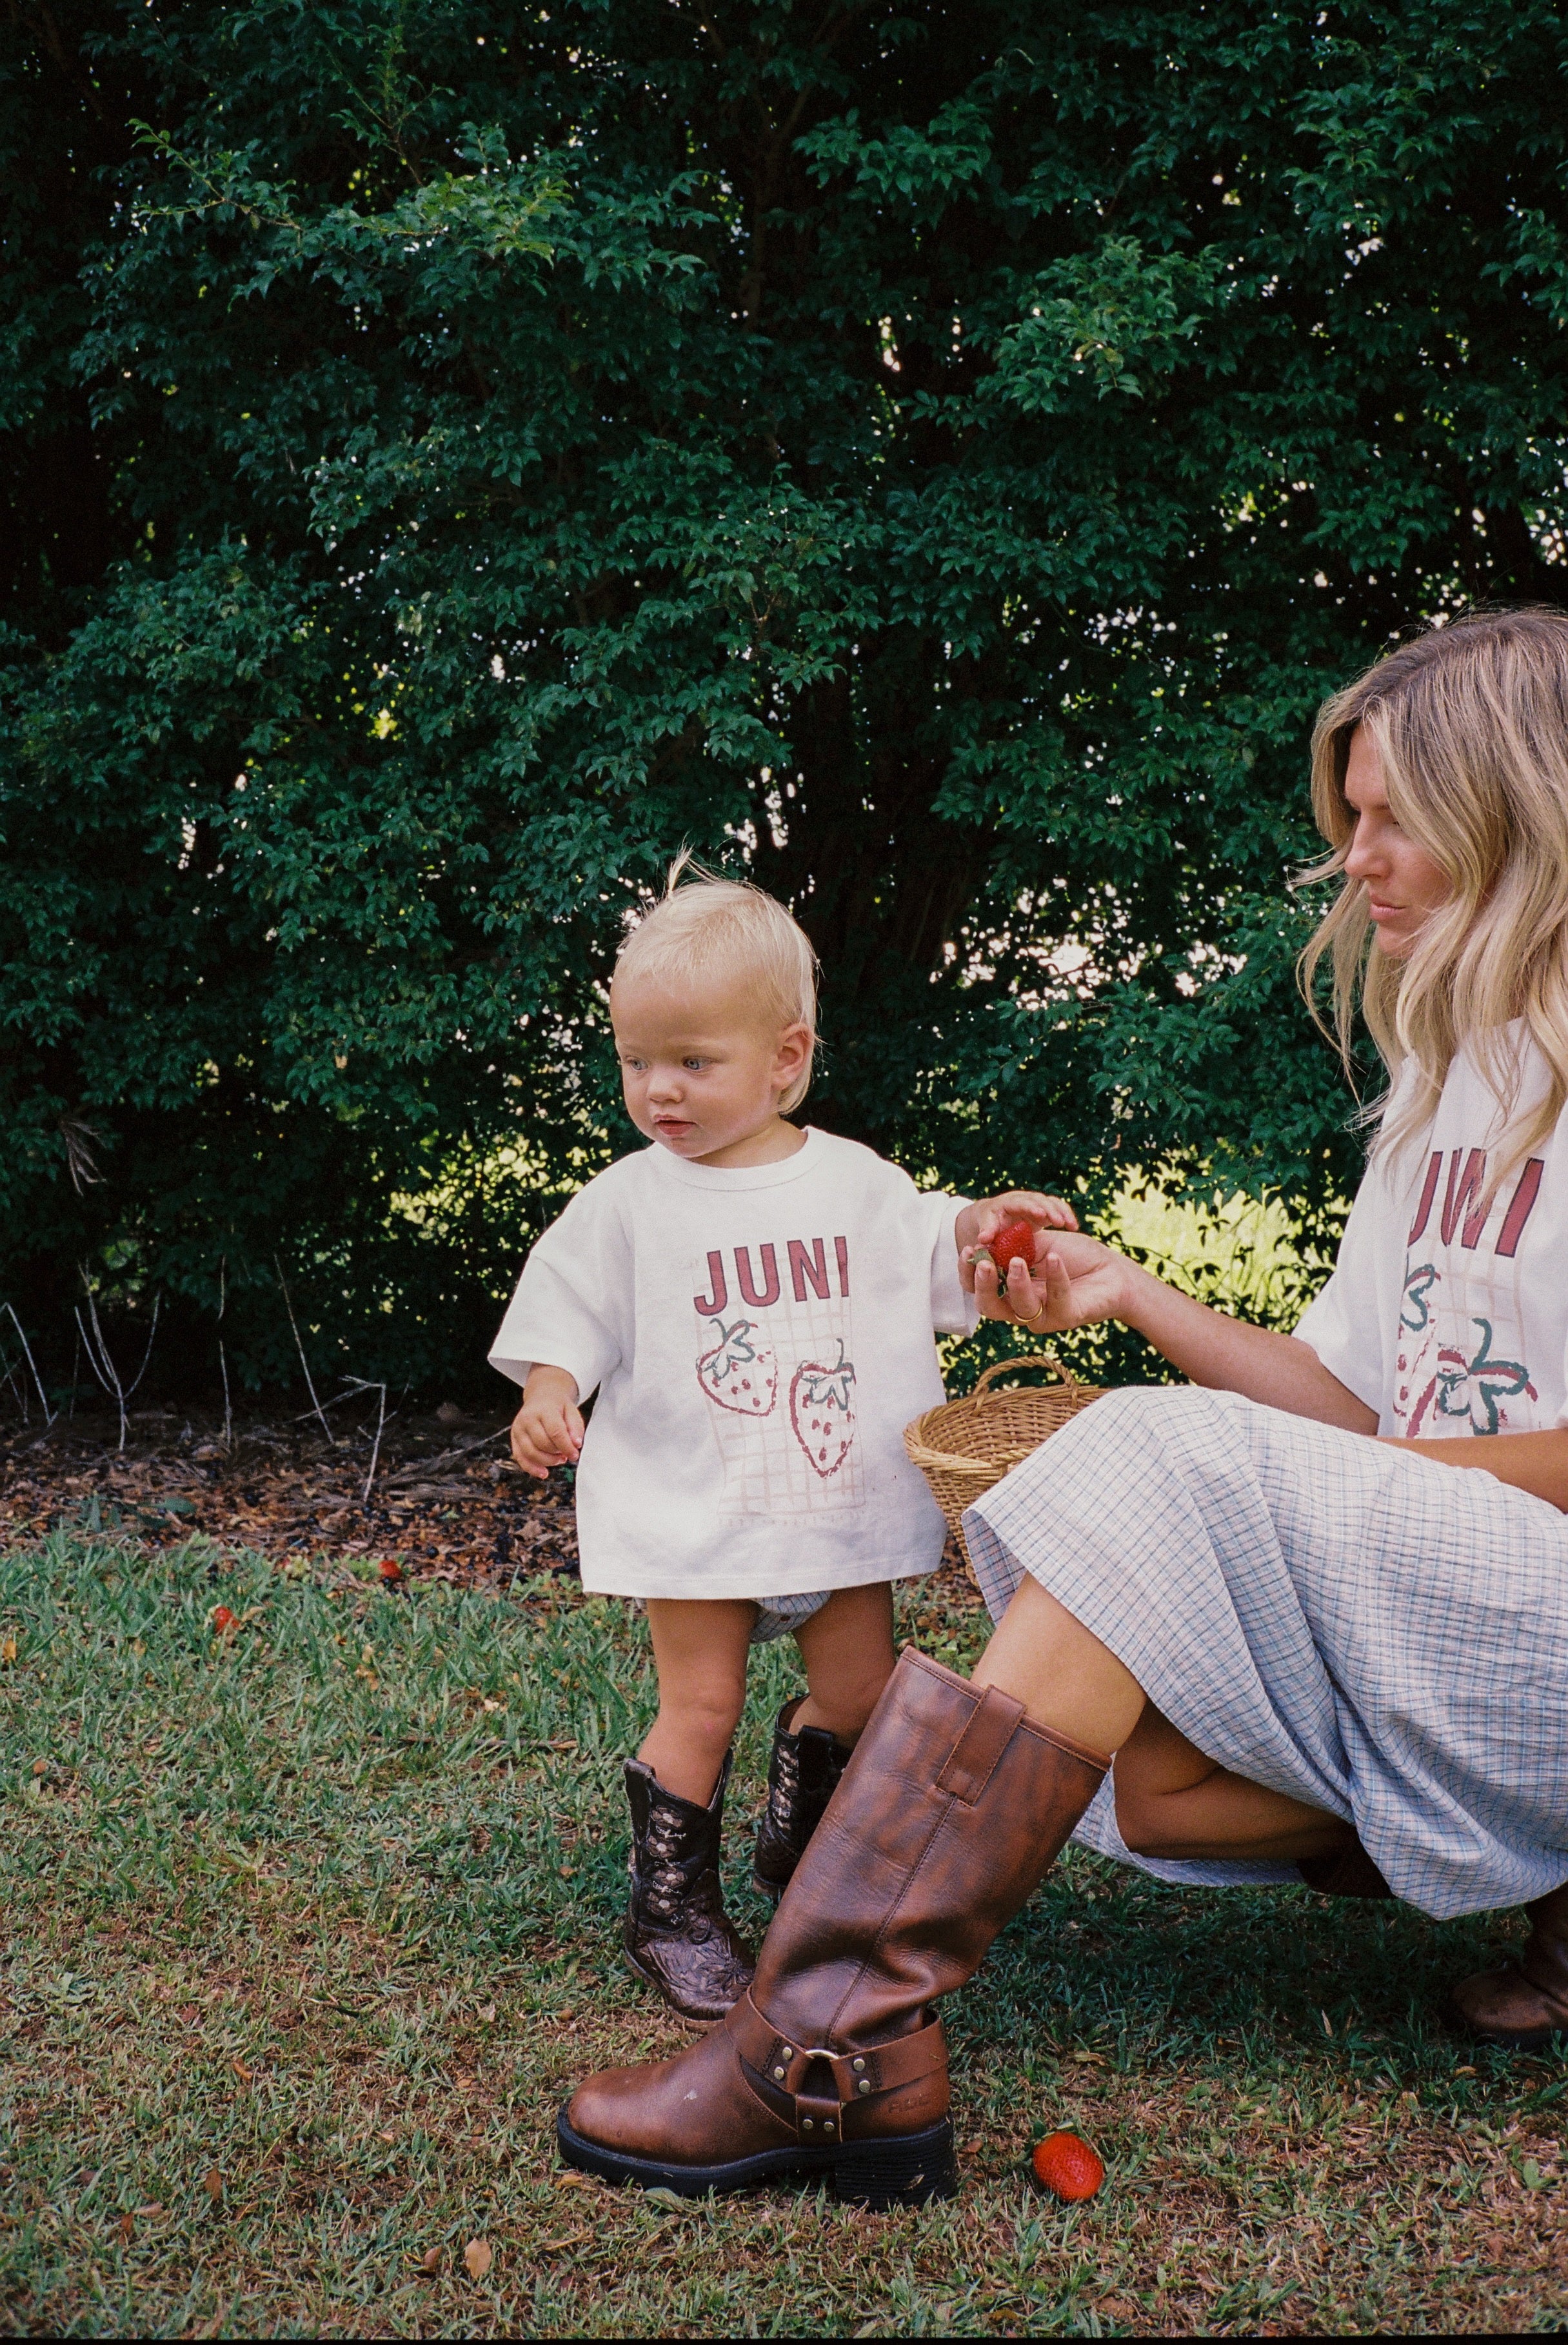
pixel 1363 858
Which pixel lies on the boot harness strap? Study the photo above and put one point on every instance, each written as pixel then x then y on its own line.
pixel 856 2075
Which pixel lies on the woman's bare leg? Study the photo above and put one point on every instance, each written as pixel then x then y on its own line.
pixel 1064 1677
pixel 848 1649
pixel 1170 1800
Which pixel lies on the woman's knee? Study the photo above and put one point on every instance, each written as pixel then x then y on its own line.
pixel 1144 1827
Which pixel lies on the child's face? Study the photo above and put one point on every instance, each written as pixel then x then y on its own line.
pixel 698 1073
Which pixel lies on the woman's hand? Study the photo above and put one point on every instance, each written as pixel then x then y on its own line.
pixel 1074 1283
pixel 978 1226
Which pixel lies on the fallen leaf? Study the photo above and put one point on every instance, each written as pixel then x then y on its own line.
pixel 8 1648
pixel 214 2183
pixel 386 2136
pixel 150 2214
pixel 40 1766
pixel 478 2257
pixel 128 2226
pixel 488 2014
pixel 241 2071
pixel 430 2261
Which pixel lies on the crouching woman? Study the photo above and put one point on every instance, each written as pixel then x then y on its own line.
pixel 1315 1650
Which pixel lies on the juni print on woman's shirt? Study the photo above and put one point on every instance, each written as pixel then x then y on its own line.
pixel 1455 1362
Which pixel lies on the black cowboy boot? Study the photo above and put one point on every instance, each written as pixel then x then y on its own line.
pixel 802 1775
pixel 677 1935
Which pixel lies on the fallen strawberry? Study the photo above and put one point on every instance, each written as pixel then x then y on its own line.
pixel 224 1622
pixel 1068 2167
pixel 391 1571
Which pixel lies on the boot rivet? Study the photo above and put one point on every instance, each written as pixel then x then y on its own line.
pixel 780 2074
pixel 784 2052
pixel 864 2085
pixel 858 2067
pixel 828 2125
pixel 805 2125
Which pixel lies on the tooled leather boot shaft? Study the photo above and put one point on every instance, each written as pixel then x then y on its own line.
pixel 804 1774
pixel 677 1934
pixel 948 1814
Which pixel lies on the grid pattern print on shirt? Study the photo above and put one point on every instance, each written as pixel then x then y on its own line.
pixel 774 1357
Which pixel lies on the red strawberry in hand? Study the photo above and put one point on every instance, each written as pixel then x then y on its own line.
pixel 1013 1242
pixel 822 1411
pixel 741 1371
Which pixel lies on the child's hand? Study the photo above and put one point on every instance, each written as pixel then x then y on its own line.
pixel 547 1428
pixel 978 1224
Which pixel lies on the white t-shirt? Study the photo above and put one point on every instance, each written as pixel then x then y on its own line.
pixel 1445 1315
pixel 759 1338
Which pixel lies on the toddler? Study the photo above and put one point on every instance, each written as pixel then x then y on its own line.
pixel 753 1304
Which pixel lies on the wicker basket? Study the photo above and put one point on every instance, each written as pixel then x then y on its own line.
pixel 965 1446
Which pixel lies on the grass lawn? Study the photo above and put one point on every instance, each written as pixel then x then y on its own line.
pixel 311 1927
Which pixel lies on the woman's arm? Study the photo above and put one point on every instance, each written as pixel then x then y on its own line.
pixel 1077 1282
pixel 1535 1461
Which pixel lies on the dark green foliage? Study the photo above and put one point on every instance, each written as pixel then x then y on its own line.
pixel 938 459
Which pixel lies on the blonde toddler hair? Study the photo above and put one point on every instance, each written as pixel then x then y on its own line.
pixel 704 927
pixel 1470 723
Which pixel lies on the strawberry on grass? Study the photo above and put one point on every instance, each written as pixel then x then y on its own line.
pixel 1065 2165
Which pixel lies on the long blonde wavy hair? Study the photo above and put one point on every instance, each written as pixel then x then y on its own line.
pixel 1470 723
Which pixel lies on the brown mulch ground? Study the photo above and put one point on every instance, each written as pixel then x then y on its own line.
pixel 445 1502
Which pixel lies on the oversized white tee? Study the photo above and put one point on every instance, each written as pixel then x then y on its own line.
pixel 759 1337
pixel 1447 1314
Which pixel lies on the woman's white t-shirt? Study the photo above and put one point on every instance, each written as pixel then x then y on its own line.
pixel 1446 1313
pixel 759 1337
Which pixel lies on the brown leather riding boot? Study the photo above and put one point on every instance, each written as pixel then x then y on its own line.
pixel 1524 2005
pixel 677 1935
pixel 948 1814
pixel 802 1776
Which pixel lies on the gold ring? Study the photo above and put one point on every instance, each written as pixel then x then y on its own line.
pixel 1034 1321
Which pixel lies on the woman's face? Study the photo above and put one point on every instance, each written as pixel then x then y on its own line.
pixel 1404 886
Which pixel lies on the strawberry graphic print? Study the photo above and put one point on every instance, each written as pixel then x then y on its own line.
pixel 775 1358
pixel 822 1413
pixel 740 1372
pixel 1447 1308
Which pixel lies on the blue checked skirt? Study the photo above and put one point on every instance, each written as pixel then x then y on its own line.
pixel 1382 1637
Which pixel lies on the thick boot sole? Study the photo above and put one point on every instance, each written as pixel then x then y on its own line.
pixel 772 1890
pixel 905 2170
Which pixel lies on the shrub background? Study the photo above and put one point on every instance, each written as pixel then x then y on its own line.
pixel 935 459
